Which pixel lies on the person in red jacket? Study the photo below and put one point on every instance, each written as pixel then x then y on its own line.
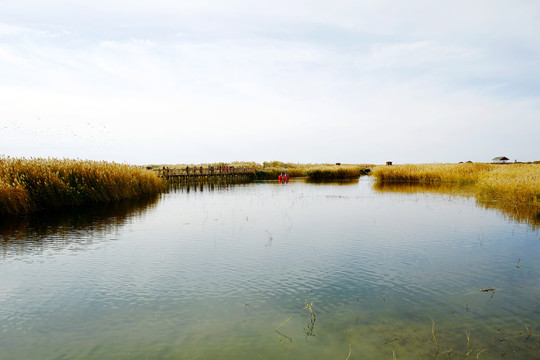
pixel 280 177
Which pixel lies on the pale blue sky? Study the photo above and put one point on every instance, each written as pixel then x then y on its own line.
pixel 299 81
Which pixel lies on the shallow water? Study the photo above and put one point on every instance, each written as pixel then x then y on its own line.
pixel 213 271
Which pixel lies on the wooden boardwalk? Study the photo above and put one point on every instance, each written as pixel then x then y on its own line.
pixel 212 173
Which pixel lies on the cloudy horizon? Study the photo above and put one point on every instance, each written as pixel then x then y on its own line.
pixel 295 81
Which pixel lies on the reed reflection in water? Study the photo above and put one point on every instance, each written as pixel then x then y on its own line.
pixel 62 228
pixel 518 213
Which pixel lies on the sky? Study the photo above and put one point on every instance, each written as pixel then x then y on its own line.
pixel 350 81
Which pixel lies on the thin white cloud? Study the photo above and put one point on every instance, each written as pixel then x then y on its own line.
pixel 301 81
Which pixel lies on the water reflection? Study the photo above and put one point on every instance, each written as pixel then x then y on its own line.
pixel 42 230
pixel 331 182
pixel 423 188
pixel 201 186
pixel 524 214
pixel 511 211
pixel 293 271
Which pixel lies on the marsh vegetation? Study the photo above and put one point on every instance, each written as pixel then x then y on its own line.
pixel 272 169
pixel 518 184
pixel 28 185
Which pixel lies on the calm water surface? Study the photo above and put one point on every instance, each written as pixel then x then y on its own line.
pixel 225 272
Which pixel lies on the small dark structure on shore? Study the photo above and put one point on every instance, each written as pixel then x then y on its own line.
pixel 388 163
pixel 500 160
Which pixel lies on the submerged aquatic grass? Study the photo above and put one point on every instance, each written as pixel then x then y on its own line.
pixel 28 185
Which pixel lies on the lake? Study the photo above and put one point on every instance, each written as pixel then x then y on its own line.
pixel 271 271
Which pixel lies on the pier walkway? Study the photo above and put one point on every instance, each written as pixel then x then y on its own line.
pixel 212 173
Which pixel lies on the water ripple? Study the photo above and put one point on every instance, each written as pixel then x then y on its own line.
pixel 212 273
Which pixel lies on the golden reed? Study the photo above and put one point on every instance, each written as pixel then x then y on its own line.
pixel 28 185
pixel 516 183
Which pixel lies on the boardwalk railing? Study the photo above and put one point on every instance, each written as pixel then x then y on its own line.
pixel 210 172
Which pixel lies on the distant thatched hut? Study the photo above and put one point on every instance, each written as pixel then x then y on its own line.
pixel 388 163
pixel 500 160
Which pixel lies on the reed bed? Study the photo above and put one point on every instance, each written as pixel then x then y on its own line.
pixel 334 172
pixel 463 174
pixel 270 170
pixel 28 185
pixel 515 183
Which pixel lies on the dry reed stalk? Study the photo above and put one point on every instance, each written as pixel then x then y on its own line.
pixel 283 323
pixel 469 350
pixel 282 336
pixel 434 337
pixel 350 352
